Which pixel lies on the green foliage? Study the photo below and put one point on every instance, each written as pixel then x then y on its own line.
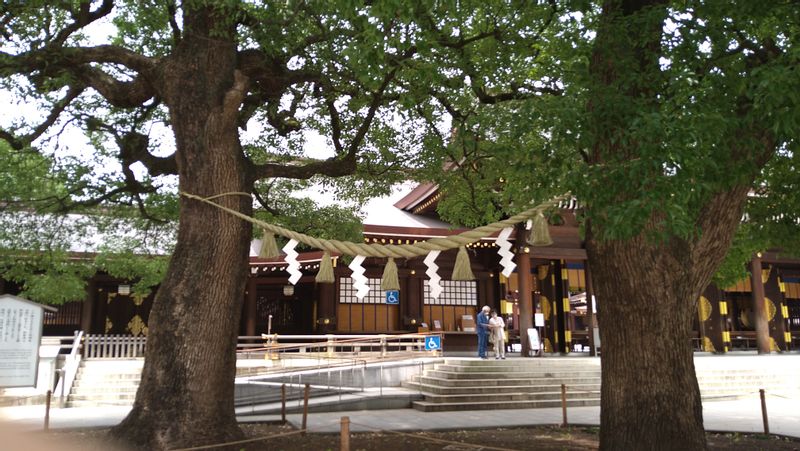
pixel 304 215
pixel 145 272
pixel 27 177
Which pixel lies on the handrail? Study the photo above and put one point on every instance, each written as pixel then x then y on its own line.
pixel 70 370
pixel 411 341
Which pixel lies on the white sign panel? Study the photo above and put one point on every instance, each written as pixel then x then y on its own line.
pixel 538 319
pixel 20 336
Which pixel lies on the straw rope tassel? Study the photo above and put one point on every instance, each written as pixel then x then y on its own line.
pixel 390 281
pixel 325 273
pixel 462 269
pixel 269 248
pixel 540 233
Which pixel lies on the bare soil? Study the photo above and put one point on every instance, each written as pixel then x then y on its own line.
pixel 275 437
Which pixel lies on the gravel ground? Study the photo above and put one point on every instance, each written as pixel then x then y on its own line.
pixel 284 437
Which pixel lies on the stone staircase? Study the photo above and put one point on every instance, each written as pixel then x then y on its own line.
pixel 737 377
pixel 105 382
pixel 469 384
pixel 460 384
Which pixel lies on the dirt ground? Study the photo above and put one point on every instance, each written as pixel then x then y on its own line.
pixel 278 437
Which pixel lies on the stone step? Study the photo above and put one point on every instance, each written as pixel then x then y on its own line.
pixel 427 406
pixel 535 362
pixel 754 381
pixel 512 396
pixel 493 365
pixel 108 378
pixel 508 375
pixel 105 382
pixel 104 390
pixel 499 389
pixel 111 367
pixel 105 402
pixel 506 382
pixel 101 398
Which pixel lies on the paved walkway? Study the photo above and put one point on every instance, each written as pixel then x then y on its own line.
pixel 742 415
pixel 737 415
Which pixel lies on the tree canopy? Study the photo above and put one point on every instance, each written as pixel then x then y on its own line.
pixel 719 108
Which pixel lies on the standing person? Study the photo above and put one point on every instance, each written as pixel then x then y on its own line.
pixel 483 331
pixel 497 329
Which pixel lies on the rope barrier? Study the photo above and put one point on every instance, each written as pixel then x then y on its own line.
pixel 239 442
pixel 437 440
pixel 387 250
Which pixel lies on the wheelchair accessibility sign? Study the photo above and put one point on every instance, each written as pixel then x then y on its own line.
pixel 433 343
pixel 392 297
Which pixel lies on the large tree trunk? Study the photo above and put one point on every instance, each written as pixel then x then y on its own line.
pixel 650 397
pixel 186 393
pixel 648 291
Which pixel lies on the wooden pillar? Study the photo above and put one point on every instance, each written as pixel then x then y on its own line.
pixel 547 299
pixel 590 313
pixel 250 312
pixel 88 306
pixel 759 310
pixel 776 309
pixel 415 301
pixel 326 307
pixel 523 260
pixel 561 301
pixel 712 319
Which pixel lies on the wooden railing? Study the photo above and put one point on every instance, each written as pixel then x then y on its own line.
pixel 126 346
pixel 113 346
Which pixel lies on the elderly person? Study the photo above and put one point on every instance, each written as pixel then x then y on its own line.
pixel 497 329
pixel 483 331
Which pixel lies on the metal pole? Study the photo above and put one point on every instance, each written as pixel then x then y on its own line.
pixel 764 411
pixel 564 405
pixel 305 408
pixel 345 435
pixel 47 411
pixel 269 325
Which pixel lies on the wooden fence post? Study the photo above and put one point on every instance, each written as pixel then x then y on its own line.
pixel 283 403
pixel 764 411
pixel 47 411
pixel 564 405
pixel 305 407
pixel 345 435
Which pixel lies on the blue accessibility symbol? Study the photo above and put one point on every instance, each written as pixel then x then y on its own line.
pixel 392 297
pixel 433 343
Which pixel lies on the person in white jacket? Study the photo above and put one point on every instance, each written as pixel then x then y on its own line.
pixel 497 330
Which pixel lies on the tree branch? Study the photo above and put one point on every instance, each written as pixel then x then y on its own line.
pixel 176 31
pixel 18 143
pixel 134 146
pixel 82 18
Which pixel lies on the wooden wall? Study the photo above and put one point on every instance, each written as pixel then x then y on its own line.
pixel 367 318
